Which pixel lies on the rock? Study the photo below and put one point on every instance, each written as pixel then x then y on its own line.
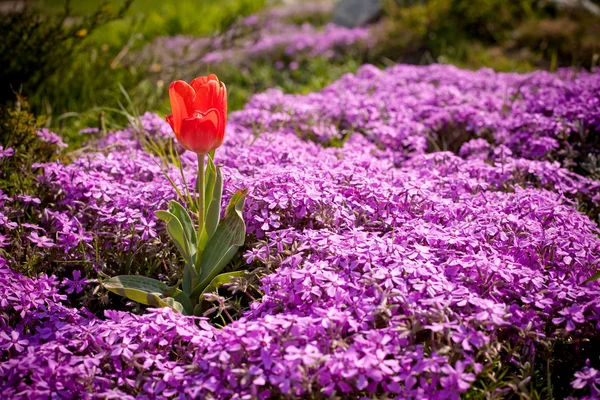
pixel 353 13
pixel 586 5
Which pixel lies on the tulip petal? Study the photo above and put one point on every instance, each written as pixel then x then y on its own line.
pixel 224 101
pixel 203 80
pixel 200 133
pixel 222 114
pixel 182 102
pixel 171 122
pixel 169 119
pixel 207 96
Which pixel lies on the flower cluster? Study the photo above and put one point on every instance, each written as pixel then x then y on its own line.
pixel 262 37
pixel 529 128
pixel 292 42
pixel 394 268
pixel 51 138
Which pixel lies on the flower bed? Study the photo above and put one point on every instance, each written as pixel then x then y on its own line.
pixel 267 37
pixel 395 267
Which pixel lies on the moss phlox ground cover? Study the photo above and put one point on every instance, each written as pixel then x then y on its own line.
pixel 403 260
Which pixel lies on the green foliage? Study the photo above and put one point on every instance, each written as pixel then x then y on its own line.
pixel 223 244
pixel 143 290
pixel 206 250
pixel 594 277
pixel 92 42
pixel 489 20
pixel 18 131
pixel 86 85
pixel 151 18
pixel 518 35
pixel 475 55
pixel 567 40
pixel 33 46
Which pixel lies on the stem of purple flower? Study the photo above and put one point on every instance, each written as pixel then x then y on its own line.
pixel 200 192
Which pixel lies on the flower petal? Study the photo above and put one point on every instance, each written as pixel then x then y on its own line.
pixel 223 101
pixel 200 133
pixel 169 119
pixel 223 114
pixel 203 80
pixel 182 100
pixel 207 96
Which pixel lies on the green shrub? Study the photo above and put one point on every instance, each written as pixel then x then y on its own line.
pixel 19 132
pixel 518 35
pixel 563 41
pixel 34 46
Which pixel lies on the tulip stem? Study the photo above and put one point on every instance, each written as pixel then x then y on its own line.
pixel 200 191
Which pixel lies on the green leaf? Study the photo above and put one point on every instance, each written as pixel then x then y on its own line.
pixel 593 278
pixel 190 278
pixel 222 279
pixel 175 305
pixel 213 212
pixel 172 291
pixel 184 300
pixel 198 310
pixel 221 248
pixel 140 289
pixel 177 233
pixel 179 236
pixel 186 222
pixel 213 216
pixel 210 183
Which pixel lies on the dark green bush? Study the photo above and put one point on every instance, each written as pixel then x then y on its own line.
pixel 564 41
pixel 516 35
pixel 34 46
pixel 19 132
pixel 437 24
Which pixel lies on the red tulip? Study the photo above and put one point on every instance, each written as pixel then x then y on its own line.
pixel 199 113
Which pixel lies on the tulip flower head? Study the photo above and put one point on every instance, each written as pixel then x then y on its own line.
pixel 199 113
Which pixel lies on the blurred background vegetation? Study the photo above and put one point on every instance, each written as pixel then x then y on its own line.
pixel 73 60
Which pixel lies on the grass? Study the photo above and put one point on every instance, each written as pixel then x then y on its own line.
pixel 153 18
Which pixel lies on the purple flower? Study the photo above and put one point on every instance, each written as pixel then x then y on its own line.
pixel 456 378
pixel 4 240
pixel 571 315
pixel 40 241
pixel 51 138
pixel 146 228
pixel 6 223
pixel 12 341
pixel 587 378
pixel 28 199
pixel 76 284
pixel 387 268
pixel 8 152
pixel 123 348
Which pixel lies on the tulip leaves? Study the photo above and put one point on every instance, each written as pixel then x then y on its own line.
pixel 213 210
pixel 143 290
pixel 223 245
pixel 205 250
